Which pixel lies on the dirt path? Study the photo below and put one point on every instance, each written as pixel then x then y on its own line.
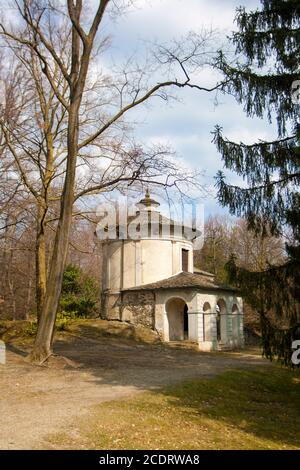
pixel 37 401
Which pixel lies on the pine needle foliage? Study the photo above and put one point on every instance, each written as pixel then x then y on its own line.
pixel 262 80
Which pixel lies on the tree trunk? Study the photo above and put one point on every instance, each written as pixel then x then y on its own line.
pixel 79 66
pixel 41 263
pixel 43 342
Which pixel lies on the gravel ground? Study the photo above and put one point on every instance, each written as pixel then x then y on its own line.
pixel 39 400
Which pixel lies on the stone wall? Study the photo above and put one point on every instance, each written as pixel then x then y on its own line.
pixel 110 306
pixel 138 308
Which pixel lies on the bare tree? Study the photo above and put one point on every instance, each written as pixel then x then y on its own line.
pixel 34 140
pixel 215 251
pixel 255 251
pixel 41 24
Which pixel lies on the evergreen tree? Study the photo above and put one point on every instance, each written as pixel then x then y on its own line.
pixel 79 295
pixel 265 83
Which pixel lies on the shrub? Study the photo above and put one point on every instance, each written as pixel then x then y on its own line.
pixel 80 294
pixel 31 329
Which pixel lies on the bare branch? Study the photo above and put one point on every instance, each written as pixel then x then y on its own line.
pixel 144 98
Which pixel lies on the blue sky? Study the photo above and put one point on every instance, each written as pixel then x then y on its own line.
pixel 186 124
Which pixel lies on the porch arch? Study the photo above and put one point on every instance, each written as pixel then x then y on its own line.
pixel 235 322
pixel 221 320
pixel 177 316
pixel 207 322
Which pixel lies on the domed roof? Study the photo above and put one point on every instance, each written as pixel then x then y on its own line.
pixel 150 223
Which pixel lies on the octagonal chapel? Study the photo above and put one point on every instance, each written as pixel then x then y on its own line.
pixel 150 280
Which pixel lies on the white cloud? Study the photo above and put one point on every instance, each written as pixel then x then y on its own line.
pixel 186 125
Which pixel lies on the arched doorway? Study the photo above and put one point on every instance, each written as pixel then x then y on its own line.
pixel 235 323
pixel 185 322
pixel 177 314
pixel 218 323
pixel 206 321
pixel 221 321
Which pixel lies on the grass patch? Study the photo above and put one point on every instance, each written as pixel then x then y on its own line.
pixel 240 409
pixel 25 330
pixel 97 329
pixel 17 331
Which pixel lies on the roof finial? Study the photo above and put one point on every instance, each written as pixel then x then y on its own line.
pixel 147 202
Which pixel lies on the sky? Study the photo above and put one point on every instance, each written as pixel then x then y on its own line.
pixel 186 124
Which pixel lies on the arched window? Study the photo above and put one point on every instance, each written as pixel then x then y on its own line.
pixel 235 308
pixel 221 306
pixel 235 323
pixel 221 321
pixel 206 307
pixel 206 322
pixel 218 320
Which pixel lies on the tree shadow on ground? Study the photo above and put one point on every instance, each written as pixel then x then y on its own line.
pixel 16 350
pixel 246 399
pixel 255 401
pixel 121 361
